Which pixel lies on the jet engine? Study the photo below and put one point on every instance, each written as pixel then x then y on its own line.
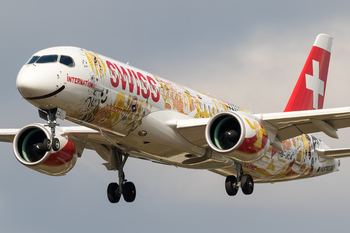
pixel 29 150
pixel 237 135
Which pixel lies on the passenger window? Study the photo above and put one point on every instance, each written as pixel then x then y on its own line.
pixel 32 60
pixel 66 60
pixel 47 59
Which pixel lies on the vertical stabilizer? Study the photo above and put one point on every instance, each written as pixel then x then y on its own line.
pixel 309 92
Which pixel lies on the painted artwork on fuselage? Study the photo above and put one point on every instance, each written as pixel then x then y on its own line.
pixel 98 67
pixel 187 101
pixel 130 95
pixel 128 109
pixel 101 108
pixel 297 160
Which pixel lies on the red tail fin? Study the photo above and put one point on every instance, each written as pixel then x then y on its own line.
pixel 309 92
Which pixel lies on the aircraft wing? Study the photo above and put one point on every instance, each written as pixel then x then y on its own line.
pixel 83 137
pixel 7 135
pixel 193 130
pixel 281 125
pixel 291 124
pixel 78 132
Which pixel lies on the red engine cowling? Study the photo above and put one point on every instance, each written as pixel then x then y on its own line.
pixel 55 163
pixel 237 135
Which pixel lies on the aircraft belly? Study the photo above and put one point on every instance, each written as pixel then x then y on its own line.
pixel 178 152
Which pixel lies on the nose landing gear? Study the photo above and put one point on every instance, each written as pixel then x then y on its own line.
pixel 50 115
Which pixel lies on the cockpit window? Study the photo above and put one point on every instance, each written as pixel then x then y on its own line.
pixel 32 60
pixel 47 59
pixel 66 60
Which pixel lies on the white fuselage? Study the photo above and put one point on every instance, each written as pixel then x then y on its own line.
pixel 137 112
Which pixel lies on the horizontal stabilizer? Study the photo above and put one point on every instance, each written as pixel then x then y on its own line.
pixel 333 153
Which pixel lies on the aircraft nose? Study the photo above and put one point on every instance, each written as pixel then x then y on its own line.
pixel 26 84
pixel 33 83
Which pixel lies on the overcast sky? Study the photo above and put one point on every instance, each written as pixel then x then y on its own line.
pixel 249 53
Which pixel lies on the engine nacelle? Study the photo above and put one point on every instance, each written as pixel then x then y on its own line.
pixel 55 163
pixel 237 135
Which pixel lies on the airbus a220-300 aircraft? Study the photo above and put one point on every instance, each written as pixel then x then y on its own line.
pixel 126 112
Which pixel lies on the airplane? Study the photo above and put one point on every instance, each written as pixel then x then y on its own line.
pixel 122 111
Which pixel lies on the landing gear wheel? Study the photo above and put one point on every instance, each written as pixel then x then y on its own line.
pixel 127 189
pixel 56 144
pixel 50 116
pixel 247 184
pixel 231 185
pixel 47 144
pixel 113 193
pixel 129 192
pixel 44 146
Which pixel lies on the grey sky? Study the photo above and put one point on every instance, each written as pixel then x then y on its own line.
pixel 246 53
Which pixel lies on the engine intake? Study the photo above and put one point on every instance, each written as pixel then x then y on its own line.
pixel 225 132
pixel 29 150
pixel 27 146
pixel 237 135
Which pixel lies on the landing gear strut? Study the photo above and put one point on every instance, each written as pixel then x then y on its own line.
pixel 50 116
pixel 246 182
pixel 127 189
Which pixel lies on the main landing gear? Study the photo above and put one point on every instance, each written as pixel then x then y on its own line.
pixel 246 182
pixel 50 116
pixel 127 189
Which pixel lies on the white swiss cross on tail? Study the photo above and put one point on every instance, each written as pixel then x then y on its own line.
pixel 314 83
pixel 310 89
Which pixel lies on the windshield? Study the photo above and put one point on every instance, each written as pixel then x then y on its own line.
pixel 32 60
pixel 47 59
pixel 66 60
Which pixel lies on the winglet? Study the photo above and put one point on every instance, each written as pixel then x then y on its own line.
pixel 309 92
